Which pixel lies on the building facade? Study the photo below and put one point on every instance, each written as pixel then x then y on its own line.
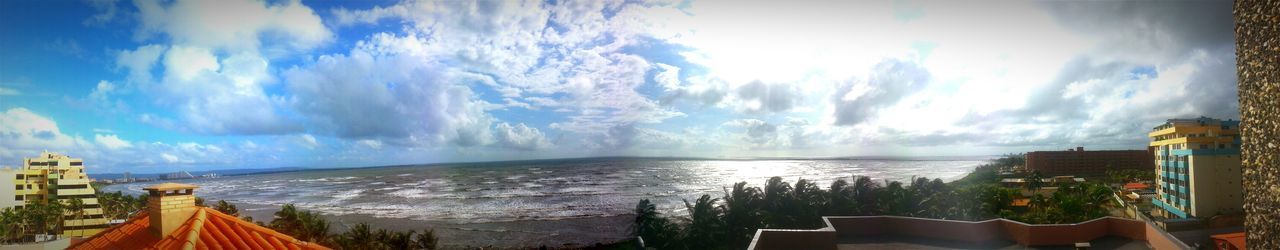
pixel 8 187
pixel 52 177
pixel 1087 163
pixel 1197 168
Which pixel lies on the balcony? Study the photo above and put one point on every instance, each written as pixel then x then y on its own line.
pixel 1170 208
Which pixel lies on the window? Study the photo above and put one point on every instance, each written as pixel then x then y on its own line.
pixel 17 197
pixel 18 187
pixel 20 176
pixel 77 163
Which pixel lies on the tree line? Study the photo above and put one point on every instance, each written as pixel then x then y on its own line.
pixel 730 221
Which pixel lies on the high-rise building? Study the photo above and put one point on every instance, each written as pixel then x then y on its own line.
pixel 1197 167
pixel 52 177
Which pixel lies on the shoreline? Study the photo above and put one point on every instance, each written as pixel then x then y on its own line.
pixel 564 233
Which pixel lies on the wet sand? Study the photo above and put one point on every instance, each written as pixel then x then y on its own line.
pixel 574 232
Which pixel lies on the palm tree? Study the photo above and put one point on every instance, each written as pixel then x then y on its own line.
pixel 394 240
pixel 57 211
pixel 425 240
pixel 741 214
pixel 227 208
pixel 76 208
pixel 894 199
pixel 865 195
pixel 807 202
pixel 652 228
pixel 10 224
pixel 777 196
pixel 286 220
pixel 314 228
pixel 841 199
pixel 705 230
pixel 357 237
pixel 1035 181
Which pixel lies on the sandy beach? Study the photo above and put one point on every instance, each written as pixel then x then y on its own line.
pixel 573 232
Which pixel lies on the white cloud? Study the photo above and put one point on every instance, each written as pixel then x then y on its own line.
pixel 22 129
pixel 234 25
pixel 536 50
pixel 102 91
pixel 168 158
pixel 373 144
pixel 139 61
pixel 387 88
pixel 107 11
pixel 111 141
pixel 9 91
pixel 308 141
pixel 183 63
pixel 520 137
pixel 223 96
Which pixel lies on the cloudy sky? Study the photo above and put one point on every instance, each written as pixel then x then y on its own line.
pixel 153 86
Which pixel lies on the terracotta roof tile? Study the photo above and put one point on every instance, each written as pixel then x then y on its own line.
pixel 207 229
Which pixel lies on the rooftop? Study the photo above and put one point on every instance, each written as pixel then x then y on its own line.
pixel 173 221
pixel 207 229
pixel 169 186
pixel 895 232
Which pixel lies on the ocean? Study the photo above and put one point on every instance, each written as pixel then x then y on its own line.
pixel 484 203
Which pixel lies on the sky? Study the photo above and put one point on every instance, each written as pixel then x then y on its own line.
pixel 159 86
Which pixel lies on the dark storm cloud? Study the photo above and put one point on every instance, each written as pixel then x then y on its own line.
pixel 1159 30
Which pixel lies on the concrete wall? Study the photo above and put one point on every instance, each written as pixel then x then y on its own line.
pixel 964 231
pixel 1059 234
pixel 1258 70
pixel 820 239
pixel 1215 185
pixel 8 178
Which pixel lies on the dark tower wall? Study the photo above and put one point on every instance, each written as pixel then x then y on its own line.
pixel 1258 67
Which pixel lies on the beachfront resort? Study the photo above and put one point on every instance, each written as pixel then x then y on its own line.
pixel 639 124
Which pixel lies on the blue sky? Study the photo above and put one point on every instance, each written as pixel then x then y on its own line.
pixel 156 86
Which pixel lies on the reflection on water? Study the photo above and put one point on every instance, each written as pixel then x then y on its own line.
pixel 542 190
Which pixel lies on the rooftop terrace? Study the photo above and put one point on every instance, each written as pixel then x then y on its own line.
pixel 894 232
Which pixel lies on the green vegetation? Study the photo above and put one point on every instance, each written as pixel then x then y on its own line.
pixel 22 223
pixel 310 226
pixel 1129 175
pixel 731 221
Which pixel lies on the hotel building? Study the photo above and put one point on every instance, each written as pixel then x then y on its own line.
pixel 1197 167
pixel 56 178
pixel 1087 163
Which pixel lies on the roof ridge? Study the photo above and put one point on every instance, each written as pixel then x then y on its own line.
pixel 193 236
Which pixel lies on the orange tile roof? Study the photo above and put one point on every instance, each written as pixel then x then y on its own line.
pixel 1135 185
pixel 207 229
pixel 1236 240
